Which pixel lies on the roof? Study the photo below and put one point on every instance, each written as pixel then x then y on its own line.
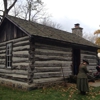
pixel 36 29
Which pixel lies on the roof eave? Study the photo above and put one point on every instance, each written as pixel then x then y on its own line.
pixel 39 39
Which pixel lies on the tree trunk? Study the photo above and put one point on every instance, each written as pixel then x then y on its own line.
pixel 6 10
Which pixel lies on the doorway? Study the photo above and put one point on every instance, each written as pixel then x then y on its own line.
pixel 76 61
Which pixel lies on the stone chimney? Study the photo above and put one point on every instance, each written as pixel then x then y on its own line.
pixel 77 30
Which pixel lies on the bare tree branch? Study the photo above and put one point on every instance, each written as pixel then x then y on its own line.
pixel 6 5
pixel 38 11
pixel 1 10
pixel 1 16
pixel 50 23
pixel 32 8
pixel 12 5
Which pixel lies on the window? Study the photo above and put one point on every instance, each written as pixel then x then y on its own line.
pixel 9 55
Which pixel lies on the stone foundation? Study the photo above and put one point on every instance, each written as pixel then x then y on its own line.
pixel 27 87
pixel 15 84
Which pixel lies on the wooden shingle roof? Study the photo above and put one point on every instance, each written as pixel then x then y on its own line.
pixel 36 29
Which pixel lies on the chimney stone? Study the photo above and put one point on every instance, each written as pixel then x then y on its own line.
pixel 77 29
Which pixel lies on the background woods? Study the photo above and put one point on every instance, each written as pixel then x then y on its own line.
pixel 97 32
pixel 32 10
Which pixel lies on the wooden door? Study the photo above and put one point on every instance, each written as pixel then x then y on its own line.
pixel 76 61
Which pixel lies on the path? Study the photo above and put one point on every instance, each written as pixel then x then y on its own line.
pixel 95 84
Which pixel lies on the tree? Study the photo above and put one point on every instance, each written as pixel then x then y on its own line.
pixel 50 23
pixel 7 8
pixel 89 37
pixel 97 32
pixel 33 9
pixel 16 10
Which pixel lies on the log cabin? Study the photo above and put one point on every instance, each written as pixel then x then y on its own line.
pixel 32 54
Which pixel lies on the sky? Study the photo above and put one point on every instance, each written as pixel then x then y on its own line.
pixel 69 12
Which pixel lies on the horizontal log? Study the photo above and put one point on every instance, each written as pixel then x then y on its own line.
pixel 46 57
pixel 52 51
pixel 17 59
pixel 2 57
pixel 25 43
pixel 3 47
pixel 21 39
pixel 21 55
pixel 92 64
pixel 2 66
pixel 95 60
pixel 51 69
pixel 21 61
pixel 67 73
pixel 2 60
pixel 14 75
pixel 3 54
pixel 92 61
pixel 2 44
pixel 21 52
pixel 19 64
pixel 88 52
pixel 9 81
pixel 92 67
pixel 45 80
pixel 2 51
pixel 21 78
pixel 94 71
pixel 66 68
pixel 21 48
pixel 20 72
pixel 88 55
pixel 47 75
pixel 51 47
pixel 21 42
pixel 20 67
pixel 14 40
pixel 52 63
pixel 47 69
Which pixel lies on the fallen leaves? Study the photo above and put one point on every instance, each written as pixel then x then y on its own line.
pixel 70 92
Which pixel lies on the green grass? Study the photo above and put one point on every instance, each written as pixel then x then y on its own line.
pixel 52 93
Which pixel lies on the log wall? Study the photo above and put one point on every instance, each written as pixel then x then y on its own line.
pixel 51 63
pixel 91 57
pixel 10 31
pixel 20 60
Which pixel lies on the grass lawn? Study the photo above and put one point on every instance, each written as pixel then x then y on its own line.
pixel 58 92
